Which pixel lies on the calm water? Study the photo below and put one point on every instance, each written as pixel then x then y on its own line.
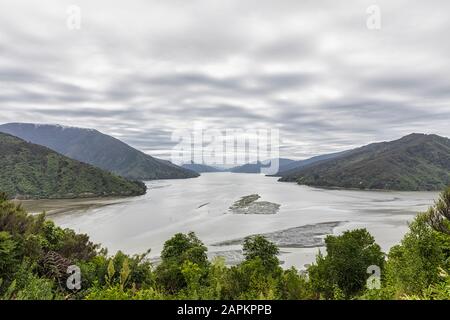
pixel 201 205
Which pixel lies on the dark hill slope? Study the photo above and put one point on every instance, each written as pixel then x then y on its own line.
pixel 100 150
pixel 296 165
pixel 31 171
pixel 414 162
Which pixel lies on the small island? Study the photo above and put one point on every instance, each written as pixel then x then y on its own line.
pixel 250 205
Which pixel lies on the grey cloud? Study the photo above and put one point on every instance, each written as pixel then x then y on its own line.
pixel 18 75
pixel 311 69
pixel 90 112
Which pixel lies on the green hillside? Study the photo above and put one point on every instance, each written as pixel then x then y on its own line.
pixel 98 149
pixel 32 171
pixel 415 162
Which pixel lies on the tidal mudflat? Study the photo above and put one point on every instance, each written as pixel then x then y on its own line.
pixel 58 206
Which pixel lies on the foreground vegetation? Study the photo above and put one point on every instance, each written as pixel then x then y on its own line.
pixel 35 255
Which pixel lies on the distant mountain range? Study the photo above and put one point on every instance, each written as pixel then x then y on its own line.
pixel 32 171
pixel 295 165
pixel 100 150
pixel 285 165
pixel 201 168
pixel 414 162
pixel 58 162
pixel 256 167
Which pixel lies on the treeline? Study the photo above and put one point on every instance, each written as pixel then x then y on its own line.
pixel 35 256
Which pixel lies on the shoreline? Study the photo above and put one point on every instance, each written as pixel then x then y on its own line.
pixel 60 206
pixel 354 189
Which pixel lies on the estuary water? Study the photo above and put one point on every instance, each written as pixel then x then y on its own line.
pixel 305 215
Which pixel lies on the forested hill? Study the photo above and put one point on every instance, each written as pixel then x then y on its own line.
pixel 31 171
pixel 98 149
pixel 414 162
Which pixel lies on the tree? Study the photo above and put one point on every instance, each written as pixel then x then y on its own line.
pixel 259 247
pixel 192 274
pixel 343 271
pixel 414 264
pixel 295 285
pixel 182 247
pixel 8 255
pixel 178 250
pixel 439 214
pixel 217 278
pixel 3 196
pixel 258 276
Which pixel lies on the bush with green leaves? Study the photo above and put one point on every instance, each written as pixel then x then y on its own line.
pixel 259 247
pixel 294 285
pixel 342 273
pixel 177 251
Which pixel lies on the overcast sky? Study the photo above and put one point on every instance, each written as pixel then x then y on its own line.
pixel 312 69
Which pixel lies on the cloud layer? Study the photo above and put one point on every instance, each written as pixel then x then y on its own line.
pixel 141 69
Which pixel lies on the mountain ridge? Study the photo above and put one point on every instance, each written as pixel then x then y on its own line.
pixel 416 162
pixel 29 170
pixel 201 168
pixel 293 166
pixel 255 167
pixel 98 149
